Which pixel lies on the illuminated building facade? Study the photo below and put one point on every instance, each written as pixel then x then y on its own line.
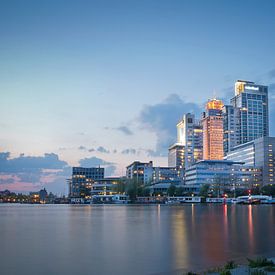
pixel 82 179
pixel 223 172
pixel 260 153
pixel 212 123
pixel 252 102
pixel 145 172
pixel 188 148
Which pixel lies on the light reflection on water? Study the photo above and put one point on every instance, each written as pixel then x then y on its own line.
pixel 110 239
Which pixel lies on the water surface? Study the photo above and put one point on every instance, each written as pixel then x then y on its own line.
pixel 114 239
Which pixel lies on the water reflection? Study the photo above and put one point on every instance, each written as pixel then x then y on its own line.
pixel 250 227
pixel 131 239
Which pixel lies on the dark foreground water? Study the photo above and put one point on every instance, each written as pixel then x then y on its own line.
pixel 158 239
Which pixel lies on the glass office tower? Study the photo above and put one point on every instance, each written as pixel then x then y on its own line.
pixel 252 102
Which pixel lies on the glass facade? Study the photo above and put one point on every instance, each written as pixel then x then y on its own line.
pixel 252 102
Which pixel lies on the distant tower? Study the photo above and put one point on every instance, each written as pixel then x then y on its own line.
pixel 212 123
pixel 188 148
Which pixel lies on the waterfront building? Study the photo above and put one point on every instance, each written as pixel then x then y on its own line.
pixel 140 171
pixel 212 122
pixel 251 100
pixel 80 184
pixel 224 173
pixel 106 186
pixel 188 148
pixel 260 153
pixel 162 188
pixel 145 172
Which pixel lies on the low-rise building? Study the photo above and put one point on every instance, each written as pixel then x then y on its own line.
pixel 145 172
pixel 106 186
pixel 223 173
pixel 259 153
pixel 80 184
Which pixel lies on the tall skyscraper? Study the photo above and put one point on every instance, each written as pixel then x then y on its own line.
pixel 212 122
pixel 252 102
pixel 231 127
pixel 246 119
pixel 188 148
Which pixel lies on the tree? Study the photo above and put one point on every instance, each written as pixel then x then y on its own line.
pixel 268 190
pixel 204 190
pixel 171 190
pixel 120 187
pixel 179 191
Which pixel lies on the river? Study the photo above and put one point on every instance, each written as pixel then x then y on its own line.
pixel 130 239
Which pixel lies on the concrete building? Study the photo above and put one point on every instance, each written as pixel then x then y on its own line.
pixel 176 156
pixel 188 148
pixel 212 122
pixel 260 153
pixel 140 171
pixel 82 179
pixel 224 173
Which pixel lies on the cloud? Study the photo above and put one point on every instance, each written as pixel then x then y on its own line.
pixel 29 163
pixel 29 173
pixel 161 119
pixel 95 162
pixel 101 149
pixel 129 151
pixel 125 130
pixel 110 170
pixel 271 74
pixel 152 153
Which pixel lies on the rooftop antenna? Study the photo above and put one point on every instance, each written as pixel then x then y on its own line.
pixel 214 94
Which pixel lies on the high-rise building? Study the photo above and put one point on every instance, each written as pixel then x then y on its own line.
pixel 188 148
pixel 82 179
pixel 212 122
pixel 252 102
pixel 246 119
pixel 231 127
pixel 176 156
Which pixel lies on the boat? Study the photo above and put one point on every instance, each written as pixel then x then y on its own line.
pixel 181 199
pixel 254 199
pixel 110 199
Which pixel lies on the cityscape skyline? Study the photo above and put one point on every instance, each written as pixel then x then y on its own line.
pixel 112 93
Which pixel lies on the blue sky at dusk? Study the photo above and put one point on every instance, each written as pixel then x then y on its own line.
pixel 104 82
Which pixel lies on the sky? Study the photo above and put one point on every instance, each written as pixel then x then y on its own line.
pixel 105 82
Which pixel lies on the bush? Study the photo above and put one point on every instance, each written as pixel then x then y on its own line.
pixel 225 272
pixel 257 272
pixel 230 265
pixel 260 262
pixel 270 268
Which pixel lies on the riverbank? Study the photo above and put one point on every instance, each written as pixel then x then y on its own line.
pixel 257 266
